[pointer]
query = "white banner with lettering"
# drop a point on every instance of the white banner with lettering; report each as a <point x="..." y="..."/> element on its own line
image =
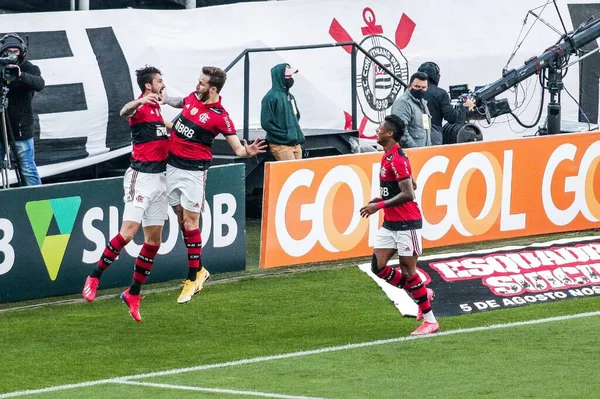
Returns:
<point x="88" y="60"/>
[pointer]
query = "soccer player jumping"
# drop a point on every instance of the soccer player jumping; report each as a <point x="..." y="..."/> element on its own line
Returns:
<point x="145" y="188"/>
<point x="402" y="223"/>
<point x="202" y="119"/>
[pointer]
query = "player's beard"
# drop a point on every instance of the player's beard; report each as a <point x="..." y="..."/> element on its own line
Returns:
<point x="203" y="97"/>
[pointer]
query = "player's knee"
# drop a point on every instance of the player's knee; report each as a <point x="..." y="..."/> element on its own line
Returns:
<point x="128" y="232"/>
<point x="153" y="239"/>
<point x="153" y="242"/>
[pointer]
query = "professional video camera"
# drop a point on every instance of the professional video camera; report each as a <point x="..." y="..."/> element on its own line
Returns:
<point x="8" y="74"/>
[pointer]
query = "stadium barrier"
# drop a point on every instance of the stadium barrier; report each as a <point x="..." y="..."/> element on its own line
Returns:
<point x="468" y="193"/>
<point x="52" y="236"/>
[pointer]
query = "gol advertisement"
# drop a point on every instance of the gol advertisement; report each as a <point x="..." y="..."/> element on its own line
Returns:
<point x="467" y="193"/>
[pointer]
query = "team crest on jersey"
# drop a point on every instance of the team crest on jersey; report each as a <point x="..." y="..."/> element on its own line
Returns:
<point x="204" y="117"/>
<point x="382" y="172"/>
<point x="194" y="111"/>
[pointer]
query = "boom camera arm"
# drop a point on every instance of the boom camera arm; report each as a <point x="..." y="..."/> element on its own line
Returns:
<point x="554" y="59"/>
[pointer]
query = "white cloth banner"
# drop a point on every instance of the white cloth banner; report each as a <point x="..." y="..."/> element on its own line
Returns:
<point x="88" y="59"/>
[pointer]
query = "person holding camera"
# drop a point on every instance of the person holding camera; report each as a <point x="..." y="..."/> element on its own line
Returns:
<point x="438" y="102"/>
<point x="23" y="79"/>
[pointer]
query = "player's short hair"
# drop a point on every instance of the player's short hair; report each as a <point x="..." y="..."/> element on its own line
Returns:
<point x="217" y="76"/>
<point x="396" y="125"/>
<point x="145" y="75"/>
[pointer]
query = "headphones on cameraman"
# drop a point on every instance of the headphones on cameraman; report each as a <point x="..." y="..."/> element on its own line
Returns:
<point x="19" y="39"/>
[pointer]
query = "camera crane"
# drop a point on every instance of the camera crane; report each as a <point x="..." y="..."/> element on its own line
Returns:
<point x="554" y="59"/>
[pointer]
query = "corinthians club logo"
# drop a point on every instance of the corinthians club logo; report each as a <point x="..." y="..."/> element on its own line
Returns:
<point x="377" y="90"/>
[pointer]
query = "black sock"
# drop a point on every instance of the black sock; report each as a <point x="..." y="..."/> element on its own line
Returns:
<point x="192" y="272"/>
<point x="135" y="288"/>
<point x="97" y="272"/>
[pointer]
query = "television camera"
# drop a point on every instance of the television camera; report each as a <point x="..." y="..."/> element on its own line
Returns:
<point x="7" y="73"/>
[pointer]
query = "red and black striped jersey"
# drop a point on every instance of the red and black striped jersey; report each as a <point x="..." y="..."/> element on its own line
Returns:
<point x="194" y="132"/>
<point x="149" y="138"/>
<point x="395" y="167"/>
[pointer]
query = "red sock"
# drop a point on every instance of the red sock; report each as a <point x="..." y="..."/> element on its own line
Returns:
<point x="143" y="265"/>
<point x="112" y="250"/>
<point x="416" y="287"/>
<point x="392" y="276"/>
<point x="144" y="262"/>
<point x="193" y="242"/>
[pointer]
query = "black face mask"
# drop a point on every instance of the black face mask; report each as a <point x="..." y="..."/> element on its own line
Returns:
<point x="289" y="82"/>
<point x="418" y="94"/>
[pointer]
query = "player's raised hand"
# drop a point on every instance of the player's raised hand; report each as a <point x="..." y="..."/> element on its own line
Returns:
<point x="258" y="146"/>
<point x="150" y="98"/>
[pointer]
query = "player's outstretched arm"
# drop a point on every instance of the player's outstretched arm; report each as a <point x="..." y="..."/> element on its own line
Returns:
<point x="175" y="102"/>
<point x="243" y="149"/>
<point x="129" y="109"/>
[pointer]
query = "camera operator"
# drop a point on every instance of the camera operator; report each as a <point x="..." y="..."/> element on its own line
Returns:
<point x="438" y="102"/>
<point x="23" y="79"/>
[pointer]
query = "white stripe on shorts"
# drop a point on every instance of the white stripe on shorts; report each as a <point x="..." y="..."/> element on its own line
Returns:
<point x="415" y="240"/>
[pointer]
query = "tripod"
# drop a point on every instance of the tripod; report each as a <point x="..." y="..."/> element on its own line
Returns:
<point x="8" y="143"/>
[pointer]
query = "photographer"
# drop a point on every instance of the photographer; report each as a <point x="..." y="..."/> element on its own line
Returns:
<point x="438" y="102"/>
<point x="23" y="79"/>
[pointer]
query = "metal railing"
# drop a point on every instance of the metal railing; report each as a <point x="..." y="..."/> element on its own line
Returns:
<point x="355" y="46"/>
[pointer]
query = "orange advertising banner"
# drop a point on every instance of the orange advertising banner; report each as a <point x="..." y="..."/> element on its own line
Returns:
<point x="467" y="193"/>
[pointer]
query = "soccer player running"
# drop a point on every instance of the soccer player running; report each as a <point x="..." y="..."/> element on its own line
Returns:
<point x="145" y="189"/>
<point x="203" y="118"/>
<point x="402" y="223"/>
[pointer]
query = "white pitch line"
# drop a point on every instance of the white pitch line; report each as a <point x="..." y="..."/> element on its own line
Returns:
<point x="297" y="354"/>
<point x="217" y="390"/>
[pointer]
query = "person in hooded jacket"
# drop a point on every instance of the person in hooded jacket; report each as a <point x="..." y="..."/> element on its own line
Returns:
<point x="26" y="81"/>
<point x="438" y="102"/>
<point x="279" y="116"/>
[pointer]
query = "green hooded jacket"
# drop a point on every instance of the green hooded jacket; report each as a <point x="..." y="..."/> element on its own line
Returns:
<point x="279" y="114"/>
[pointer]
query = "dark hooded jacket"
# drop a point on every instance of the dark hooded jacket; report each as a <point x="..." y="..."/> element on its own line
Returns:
<point x="279" y="114"/>
<point x="21" y="91"/>
<point x="438" y="100"/>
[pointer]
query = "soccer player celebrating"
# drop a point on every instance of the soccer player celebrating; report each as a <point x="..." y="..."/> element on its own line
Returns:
<point x="402" y="223"/>
<point x="202" y="119"/>
<point x="145" y="189"/>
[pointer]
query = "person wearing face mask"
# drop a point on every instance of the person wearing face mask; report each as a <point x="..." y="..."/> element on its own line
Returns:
<point x="411" y="107"/>
<point x="279" y="116"/>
